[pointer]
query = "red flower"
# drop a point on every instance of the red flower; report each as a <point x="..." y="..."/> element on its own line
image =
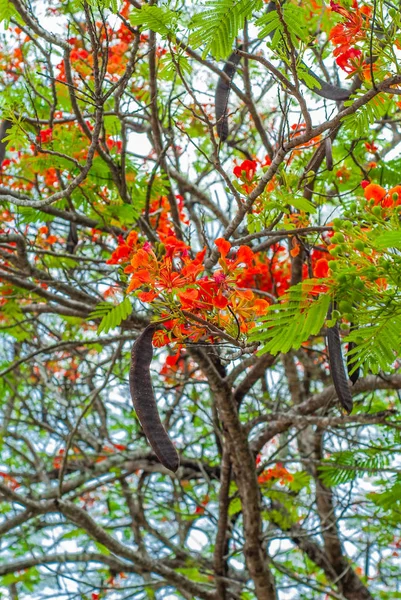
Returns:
<point x="246" y="170"/>
<point x="347" y="60"/>
<point x="124" y="249"/>
<point x="321" y="269"/>
<point x="46" y="135"/>
<point x="347" y="33"/>
<point x="371" y="147"/>
<point x="245" y="255"/>
<point x="223" y="245"/>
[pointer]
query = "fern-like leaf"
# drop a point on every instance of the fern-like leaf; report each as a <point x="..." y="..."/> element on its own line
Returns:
<point x="219" y="23"/>
<point x="346" y="466"/>
<point x="359" y="122"/>
<point x="157" y="18"/>
<point x="289" y="324"/>
<point x="7" y="11"/>
<point x="112" y="315"/>
<point x="294" y="18"/>
<point x="376" y="345"/>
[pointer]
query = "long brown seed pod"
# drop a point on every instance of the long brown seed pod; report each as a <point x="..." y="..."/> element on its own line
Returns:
<point x="329" y="153"/>
<point x="337" y="369"/>
<point x="144" y="400"/>
<point x="222" y="94"/>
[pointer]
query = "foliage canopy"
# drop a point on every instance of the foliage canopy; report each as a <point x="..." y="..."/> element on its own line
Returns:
<point x="122" y="207"/>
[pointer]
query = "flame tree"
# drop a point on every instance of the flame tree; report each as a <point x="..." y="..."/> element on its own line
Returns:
<point x="218" y="183"/>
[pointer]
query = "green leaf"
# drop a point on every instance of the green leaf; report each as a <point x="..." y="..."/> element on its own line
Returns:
<point x="343" y="467"/>
<point x="294" y="18"/>
<point x="303" y="204"/>
<point x="7" y="11"/>
<point x="389" y="239"/>
<point x="307" y="78"/>
<point x="160" y="19"/>
<point x="390" y="499"/>
<point x="367" y="114"/>
<point x="16" y="137"/>
<point x="110" y="4"/>
<point x="377" y="344"/>
<point x="218" y="25"/>
<point x="112" y="316"/>
<point x="33" y="215"/>
<point x="102" y="549"/>
<point x="235" y="506"/>
<point x="289" y="324"/>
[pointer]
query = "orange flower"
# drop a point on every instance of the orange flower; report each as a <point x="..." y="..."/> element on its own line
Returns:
<point x="224" y="246"/>
<point x="245" y="255"/>
<point x="147" y="296"/>
<point x="381" y="283"/>
<point x="321" y="269"/>
<point x="374" y="191"/>
<point x="395" y="194"/>
<point x="277" y="472"/>
<point x="260" y="306"/>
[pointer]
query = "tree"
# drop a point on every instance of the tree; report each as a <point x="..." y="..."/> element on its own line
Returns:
<point x="218" y="182"/>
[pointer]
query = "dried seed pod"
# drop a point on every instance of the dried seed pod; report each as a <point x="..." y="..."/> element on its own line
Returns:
<point x="144" y="400"/>
<point x="350" y="363"/>
<point x="222" y="94"/>
<point x="337" y="369"/>
<point x="329" y="154"/>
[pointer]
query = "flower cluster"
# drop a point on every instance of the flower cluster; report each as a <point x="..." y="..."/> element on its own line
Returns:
<point x="279" y="472"/>
<point x="345" y="34"/>
<point x="168" y="276"/>
<point x="380" y="196"/>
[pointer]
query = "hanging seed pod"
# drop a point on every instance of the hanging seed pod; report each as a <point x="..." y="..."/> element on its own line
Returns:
<point x="329" y="154"/>
<point x="222" y="94"/>
<point x="144" y="400"/>
<point x="337" y="369"/>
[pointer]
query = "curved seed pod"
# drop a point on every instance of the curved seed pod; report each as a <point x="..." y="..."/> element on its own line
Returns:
<point x="350" y="363"/>
<point x="144" y="400"/>
<point x="329" y="154"/>
<point x="337" y="369"/>
<point x="222" y="94"/>
<point x="326" y="90"/>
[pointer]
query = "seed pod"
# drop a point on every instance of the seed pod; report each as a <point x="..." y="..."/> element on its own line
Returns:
<point x="144" y="400"/>
<point x="222" y="94"/>
<point x="337" y="369"/>
<point x="72" y="239"/>
<point x="329" y="154"/>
